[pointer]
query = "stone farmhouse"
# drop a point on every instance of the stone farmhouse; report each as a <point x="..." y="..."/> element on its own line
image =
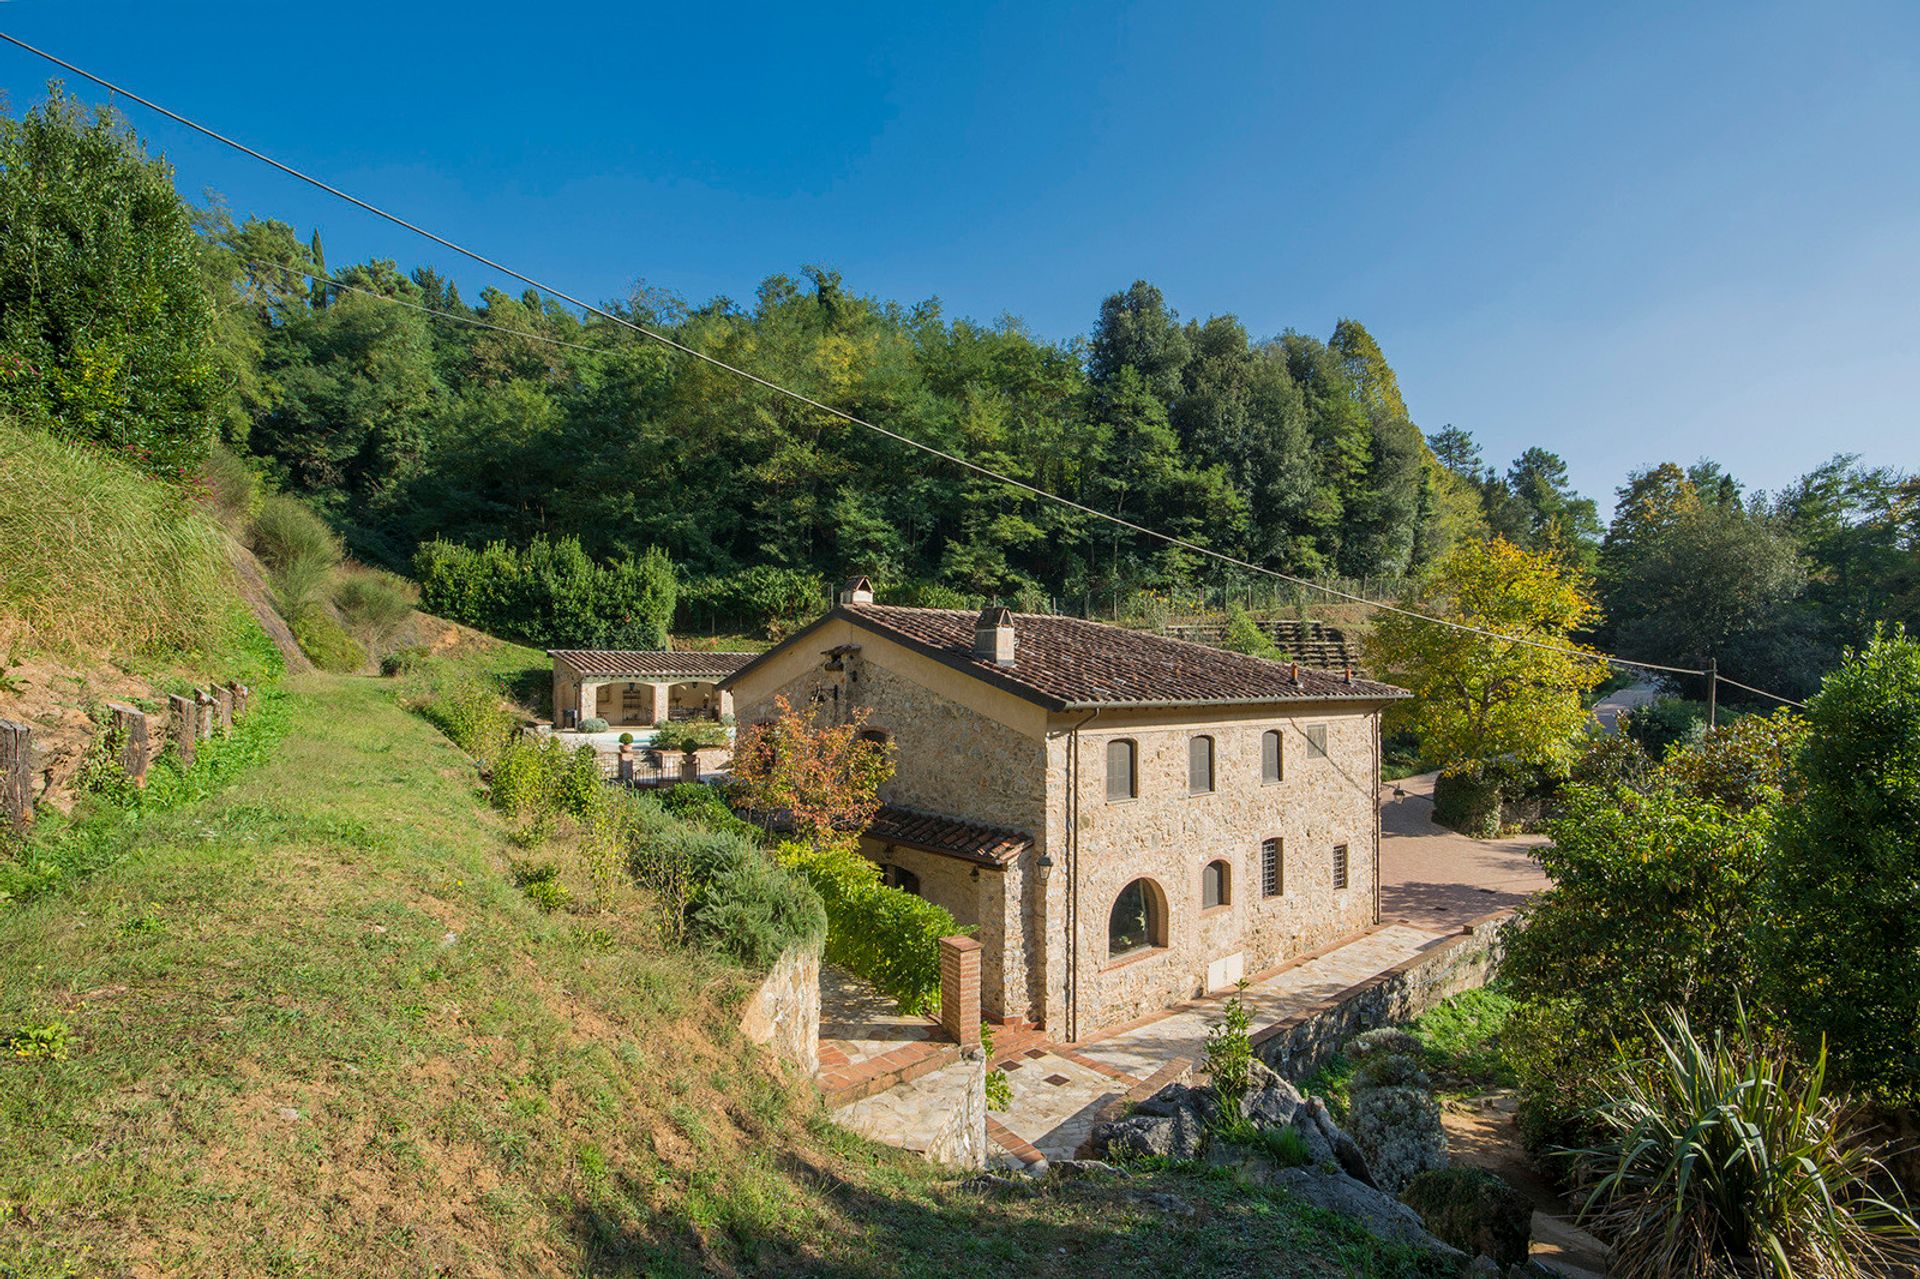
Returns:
<point x="1127" y="819"/>
<point x="635" y="687"/>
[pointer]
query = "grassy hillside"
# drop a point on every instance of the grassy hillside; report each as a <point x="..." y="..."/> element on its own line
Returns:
<point x="308" y="1026"/>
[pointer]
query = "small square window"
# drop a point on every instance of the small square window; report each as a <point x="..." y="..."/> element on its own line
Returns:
<point x="1316" y="735"/>
<point x="1339" y="865"/>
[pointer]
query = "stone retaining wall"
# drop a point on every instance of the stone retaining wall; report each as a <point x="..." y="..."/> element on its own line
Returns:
<point x="784" y="1014"/>
<point x="1302" y="1043"/>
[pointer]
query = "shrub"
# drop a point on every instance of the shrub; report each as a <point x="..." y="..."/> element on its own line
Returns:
<point x="1666" y="722"/>
<point x="1843" y="958"/>
<point x="1382" y="1040"/>
<point x="403" y="661"/>
<point x="593" y="724"/>
<point x="548" y="894"/>
<point x="1721" y="1158"/>
<point x="1475" y="1211"/>
<point x="1244" y="635"/>
<point x="1398" y="1130"/>
<point x="1229" y="1055"/>
<point x="550" y="593"/>
<point x="746" y="906"/>
<point x="887" y="937"/>
<point x="1468" y="803"/>
<point x="626" y="739"/>
<point x="469" y="711"/>
<point x="325" y="641"/>
<point x="285" y="531"/>
<point x="373" y="604"/>
<point x="690" y="735"/>
<point x="1390" y="1070"/>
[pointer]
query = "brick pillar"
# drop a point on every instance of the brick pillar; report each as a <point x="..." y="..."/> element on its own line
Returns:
<point x="130" y="726"/>
<point x="690" y="766"/>
<point x="960" y="989"/>
<point x="223" y="710"/>
<point x="183" y="722"/>
<point x="626" y="764"/>
<point x="662" y="703"/>
<point x="16" y="775"/>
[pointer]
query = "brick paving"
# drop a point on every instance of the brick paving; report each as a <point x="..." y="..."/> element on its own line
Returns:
<point x="1434" y="877"/>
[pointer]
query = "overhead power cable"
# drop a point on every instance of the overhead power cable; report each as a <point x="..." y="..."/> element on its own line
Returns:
<point x="801" y="397"/>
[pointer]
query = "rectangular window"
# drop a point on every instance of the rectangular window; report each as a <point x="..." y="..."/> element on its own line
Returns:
<point x="1316" y="735"/>
<point x="1272" y="872"/>
<point x="1200" y="766"/>
<point x="1339" y="865"/>
<point x="1122" y="778"/>
<point x="1272" y="762"/>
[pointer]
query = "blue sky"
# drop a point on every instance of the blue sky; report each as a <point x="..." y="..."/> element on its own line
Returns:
<point x="1626" y="233"/>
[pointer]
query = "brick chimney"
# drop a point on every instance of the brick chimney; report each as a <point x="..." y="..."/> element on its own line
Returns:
<point x="993" y="636"/>
<point x="856" y="590"/>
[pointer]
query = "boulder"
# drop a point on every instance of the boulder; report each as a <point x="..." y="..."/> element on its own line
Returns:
<point x="1474" y="1210"/>
<point x="1381" y="1214"/>
<point x="1346" y="1153"/>
<point x="1179" y="1136"/>
<point x="1270" y="1101"/>
<point x="1201" y="1102"/>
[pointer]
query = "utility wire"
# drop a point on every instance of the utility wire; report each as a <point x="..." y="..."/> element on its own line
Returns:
<point x="801" y="397"/>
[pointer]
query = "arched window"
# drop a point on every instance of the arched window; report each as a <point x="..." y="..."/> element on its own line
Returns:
<point x="1123" y="777"/>
<point x="1200" y="766"/>
<point x="1216" y="884"/>
<point x="1272" y="763"/>
<point x="901" y="878"/>
<point x="1138" y="921"/>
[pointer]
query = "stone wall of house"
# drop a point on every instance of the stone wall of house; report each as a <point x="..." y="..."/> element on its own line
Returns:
<point x="954" y="760"/>
<point x="1168" y="836"/>
<point x="1302" y="1044"/>
<point x="783" y="1014"/>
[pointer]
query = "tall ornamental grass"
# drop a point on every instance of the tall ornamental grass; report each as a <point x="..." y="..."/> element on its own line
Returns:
<point x="97" y="558"/>
<point x="1725" y="1158"/>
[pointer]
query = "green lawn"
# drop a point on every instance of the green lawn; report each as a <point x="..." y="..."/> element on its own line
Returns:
<point x="315" y="1030"/>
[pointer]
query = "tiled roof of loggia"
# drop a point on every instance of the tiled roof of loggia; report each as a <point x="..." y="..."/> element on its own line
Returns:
<point x="650" y="661"/>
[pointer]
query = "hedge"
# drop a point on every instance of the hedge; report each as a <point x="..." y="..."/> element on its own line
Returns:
<point x="550" y="594"/>
<point x="885" y="936"/>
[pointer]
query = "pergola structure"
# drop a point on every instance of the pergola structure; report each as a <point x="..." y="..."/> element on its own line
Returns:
<point x="639" y="687"/>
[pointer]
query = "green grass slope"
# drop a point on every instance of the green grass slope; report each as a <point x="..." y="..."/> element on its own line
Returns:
<point x="311" y="1028"/>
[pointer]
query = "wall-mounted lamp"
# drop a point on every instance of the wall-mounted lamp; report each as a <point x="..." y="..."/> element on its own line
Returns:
<point x="1045" y="862"/>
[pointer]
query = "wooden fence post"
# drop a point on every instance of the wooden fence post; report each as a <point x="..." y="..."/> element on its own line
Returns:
<point x="183" y="722"/>
<point x="203" y="707"/>
<point x="130" y="726"/>
<point x="223" y="710"/>
<point x="16" y="775"/>
<point x="241" y="696"/>
<point x="960" y="989"/>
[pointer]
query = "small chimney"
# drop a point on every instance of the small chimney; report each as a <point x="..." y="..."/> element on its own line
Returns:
<point x="993" y="636"/>
<point x="1349" y="674"/>
<point x="857" y="590"/>
<point x="1296" y="675"/>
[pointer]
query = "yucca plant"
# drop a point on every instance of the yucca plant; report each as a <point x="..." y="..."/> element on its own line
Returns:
<point x="1726" y="1158"/>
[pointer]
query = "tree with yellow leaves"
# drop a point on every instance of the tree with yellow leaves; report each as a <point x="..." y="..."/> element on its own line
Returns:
<point x="1478" y="699"/>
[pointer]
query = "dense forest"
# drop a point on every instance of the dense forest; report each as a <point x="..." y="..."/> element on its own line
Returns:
<point x="407" y="413"/>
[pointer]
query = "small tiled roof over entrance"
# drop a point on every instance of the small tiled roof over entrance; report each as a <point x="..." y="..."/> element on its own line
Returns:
<point x="1067" y="663"/>
<point x="930" y="832"/>
<point x="647" y="662"/>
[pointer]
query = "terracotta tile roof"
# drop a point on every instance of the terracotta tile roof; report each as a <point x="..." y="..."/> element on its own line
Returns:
<point x="1067" y="663"/>
<point x="650" y="661"/>
<point x="985" y="845"/>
